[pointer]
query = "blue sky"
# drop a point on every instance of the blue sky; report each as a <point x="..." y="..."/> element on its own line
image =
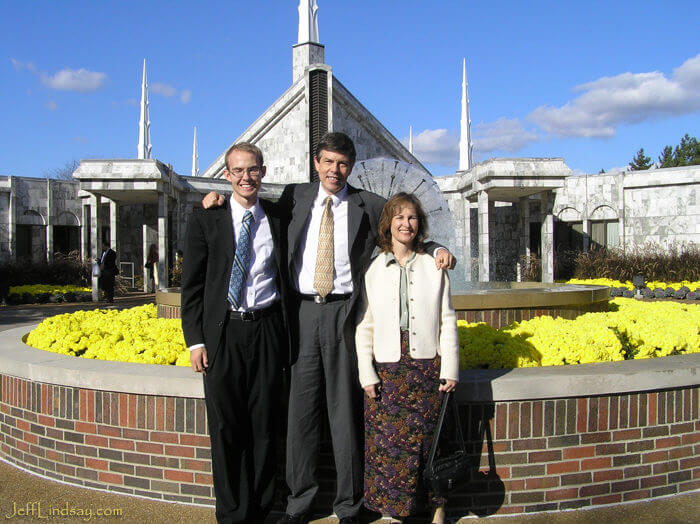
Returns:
<point x="591" y="82"/>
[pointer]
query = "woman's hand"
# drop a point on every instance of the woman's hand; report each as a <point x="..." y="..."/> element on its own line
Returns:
<point x="447" y="385"/>
<point x="371" y="390"/>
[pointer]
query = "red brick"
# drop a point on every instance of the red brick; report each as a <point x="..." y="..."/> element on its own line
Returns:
<point x="652" y="411"/>
<point x="627" y="434"/>
<point x="22" y="424"/>
<point x="135" y="434"/>
<point x="96" y="463"/>
<point x="117" y="443"/>
<point x="667" y="442"/>
<point x="603" y="411"/>
<point x="692" y="462"/>
<point x="149" y="447"/>
<point x="201" y="478"/>
<point x="594" y="438"/>
<point x="160" y="413"/>
<point x="204" y="442"/>
<point x="160" y="436"/>
<point x="652" y="482"/>
<point x="607" y="499"/>
<point x="608" y="474"/>
<point x="203" y="465"/>
<point x="561" y="494"/>
<point x="53" y="455"/>
<point x="594" y="489"/>
<point x="680" y="452"/>
<point x="544" y="456"/>
<point x="179" y="451"/>
<point x="112" y="478"/>
<point x="85" y="427"/>
<point x="637" y="494"/>
<point x="579" y="452"/>
<point x="46" y="420"/>
<point x="132" y="411"/>
<point x="654" y="456"/>
<point x="610" y="449"/>
<point x="681" y="428"/>
<point x="582" y="415"/>
<point x="542" y="482"/>
<point x="691" y="438"/>
<point x="109" y="431"/>
<point x="83" y="404"/>
<point x="563" y="467"/>
<point x="30" y="437"/>
<point x="91" y="406"/>
<point x="94" y="440"/>
<point x="123" y="409"/>
<point x="665" y="467"/>
<point x="689" y="486"/>
<point x="180" y="476"/>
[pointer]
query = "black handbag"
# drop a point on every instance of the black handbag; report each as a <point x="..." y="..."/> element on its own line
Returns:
<point x="445" y="474"/>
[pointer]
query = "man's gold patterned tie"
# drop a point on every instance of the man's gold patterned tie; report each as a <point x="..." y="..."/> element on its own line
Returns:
<point x="323" y="278"/>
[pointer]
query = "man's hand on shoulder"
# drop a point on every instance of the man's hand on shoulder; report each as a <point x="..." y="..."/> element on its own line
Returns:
<point x="444" y="259"/>
<point x="213" y="199"/>
<point x="199" y="361"/>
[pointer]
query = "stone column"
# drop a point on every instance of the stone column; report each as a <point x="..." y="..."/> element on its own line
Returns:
<point x="547" y="236"/>
<point x="85" y="231"/>
<point x="12" y="220"/>
<point x="95" y="239"/>
<point x="484" y="237"/>
<point x="163" y="241"/>
<point x="524" y="247"/>
<point x="114" y="227"/>
<point x="49" y="221"/>
<point x="586" y="225"/>
<point x="467" y="240"/>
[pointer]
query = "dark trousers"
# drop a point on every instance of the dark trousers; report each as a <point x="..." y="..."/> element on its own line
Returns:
<point x="106" y="282"/>
<point x="324" y="365"/>
<point x="242" y="391"/>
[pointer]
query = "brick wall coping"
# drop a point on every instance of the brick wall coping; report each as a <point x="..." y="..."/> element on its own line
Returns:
<point x="19" y="360"/>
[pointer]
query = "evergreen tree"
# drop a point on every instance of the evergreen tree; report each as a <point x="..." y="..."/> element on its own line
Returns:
<point x="687" y="153"/>
<point x="601" y="171"/>
<point x="667" y="159"/>
<point x="640" y="162"/>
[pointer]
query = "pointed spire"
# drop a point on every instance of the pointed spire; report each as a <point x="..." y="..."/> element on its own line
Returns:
<point x="308" y="22"/>
<point x="465" y="139"/>
<point x="195" y="155"/>
<point x="144" y="147"/>
<point x="410" y="139"/>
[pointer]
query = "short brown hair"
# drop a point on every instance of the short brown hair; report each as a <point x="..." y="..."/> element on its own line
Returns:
<point x="337" y="143"/>
<point x="248" y="148"/>
<point x="391" y="209"/>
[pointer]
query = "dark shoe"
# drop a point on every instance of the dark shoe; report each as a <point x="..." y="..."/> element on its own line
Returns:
<point x="294" y="519"/>
<point x="349" y="520"/>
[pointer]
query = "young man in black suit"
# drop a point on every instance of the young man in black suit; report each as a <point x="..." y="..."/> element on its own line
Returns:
<point x="234" y="325"/>
<point x="108" y="271"/>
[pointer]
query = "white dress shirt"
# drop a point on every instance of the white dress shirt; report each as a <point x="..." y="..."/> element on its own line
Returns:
<point x="260" y="286"/>
<point x="305" y="261"/>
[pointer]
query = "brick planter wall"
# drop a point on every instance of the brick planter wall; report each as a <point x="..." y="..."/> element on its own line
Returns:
<point x="147" y="445"/>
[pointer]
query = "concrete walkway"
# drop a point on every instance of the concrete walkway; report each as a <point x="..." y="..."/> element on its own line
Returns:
<point x="25" y="497"/>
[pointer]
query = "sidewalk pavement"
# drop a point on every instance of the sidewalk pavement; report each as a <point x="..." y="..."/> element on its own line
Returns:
<point x="25" y="497"/>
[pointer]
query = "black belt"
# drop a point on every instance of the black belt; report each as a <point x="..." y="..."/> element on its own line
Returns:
<point x="318" y="299"/>
<point x="255" y="314"/>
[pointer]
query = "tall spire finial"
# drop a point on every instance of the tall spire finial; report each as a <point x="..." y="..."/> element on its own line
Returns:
<point x="144" y="147"/>
<point x="465" y="138"/>
<point x="308" y="22"/>
<point x="195" y="155"/>
<point x="410" y="139"/>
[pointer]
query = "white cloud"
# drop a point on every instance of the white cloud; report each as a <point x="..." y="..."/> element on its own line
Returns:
<point x="75" y="80"/>
<point x="628" y="98"/>
<point x="186" y="96"/>
<point x="504" y="135"/>
<point x="51" y="105"/>
<point x="18" y="65"/>
<point x="163" y="89"/>
<point x="436" y="146"/>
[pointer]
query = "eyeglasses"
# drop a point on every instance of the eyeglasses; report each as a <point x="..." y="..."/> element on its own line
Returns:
<point x="253" y="171"/>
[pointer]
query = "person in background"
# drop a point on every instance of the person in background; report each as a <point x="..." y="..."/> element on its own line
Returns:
<point x="152" y="268"/>
<point x="407" y="353"/>
<point x="108" y="271"/>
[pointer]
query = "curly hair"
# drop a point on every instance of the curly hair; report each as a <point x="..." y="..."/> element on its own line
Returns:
<point x="391" y="209"/>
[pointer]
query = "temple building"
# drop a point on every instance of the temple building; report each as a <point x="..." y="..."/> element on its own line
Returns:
<point x="494" y="215"/>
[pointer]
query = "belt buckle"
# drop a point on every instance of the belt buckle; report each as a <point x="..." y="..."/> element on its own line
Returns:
<point x="318" y="299"/>
<point x="247" y="316"/>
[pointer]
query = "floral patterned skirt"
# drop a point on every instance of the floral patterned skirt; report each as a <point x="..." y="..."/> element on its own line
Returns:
<point x="399" y="428"/>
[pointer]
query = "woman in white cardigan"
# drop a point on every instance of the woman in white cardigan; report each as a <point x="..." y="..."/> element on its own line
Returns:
<point x="407" y="353"/>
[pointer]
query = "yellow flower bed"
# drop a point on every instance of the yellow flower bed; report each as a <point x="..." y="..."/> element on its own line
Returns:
<point x="651" y="285"/>
<point x="130" y="335"/>
<point x="52" y="289"/>
<point x="631" y="330"/>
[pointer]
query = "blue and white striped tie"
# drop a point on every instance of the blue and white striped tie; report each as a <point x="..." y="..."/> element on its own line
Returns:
<point x="239" y="270"/>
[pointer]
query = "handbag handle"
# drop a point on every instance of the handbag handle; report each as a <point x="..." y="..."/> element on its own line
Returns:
<point x="441" y="419"/>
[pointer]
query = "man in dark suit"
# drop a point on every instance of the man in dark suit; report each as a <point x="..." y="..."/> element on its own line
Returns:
<point x="234" y="325"/>
<point x="108" y="271"/>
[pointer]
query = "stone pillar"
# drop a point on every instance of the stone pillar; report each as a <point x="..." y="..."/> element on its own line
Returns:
<point x="467" y="240"/>
<point x="163" y="269"/>
<point x="95" y="239"/>
<point x="12" y="220"/>
<point x="49" y="221"/>
<point x="547" y="236"/>
<point x="524" y="247"/>
<point x="85" y="231"/>
<point x="114" y="227"/>
<point x="484" y="237"/>
<point x="586" y="225"/>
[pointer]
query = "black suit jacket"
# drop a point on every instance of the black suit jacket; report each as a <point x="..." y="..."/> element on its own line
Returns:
<point x="109" y="261"/>
<point x="364" y="210"/>
<point x="206" y="272"/>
